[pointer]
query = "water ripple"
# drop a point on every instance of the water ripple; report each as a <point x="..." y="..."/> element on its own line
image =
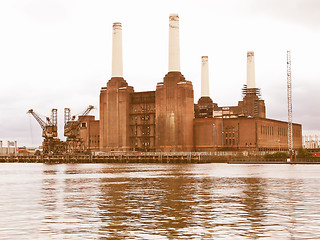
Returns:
<point x="149" y="201"/>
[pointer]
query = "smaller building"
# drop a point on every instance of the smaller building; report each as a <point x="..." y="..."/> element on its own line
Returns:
<point x="11" y="148"/>
<point x="311" y="142"/>
<point x="244" y="133"/>
<point x="89" y="132"/>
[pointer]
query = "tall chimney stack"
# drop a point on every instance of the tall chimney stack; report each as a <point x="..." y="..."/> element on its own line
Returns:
<point x="204" y="77"/>
<point x="251" y="83"/>
<point x="117" y="70"/>
<point x="174" y="43"/>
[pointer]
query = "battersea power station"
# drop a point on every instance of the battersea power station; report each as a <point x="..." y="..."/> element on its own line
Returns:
<point x="169" y="120"/>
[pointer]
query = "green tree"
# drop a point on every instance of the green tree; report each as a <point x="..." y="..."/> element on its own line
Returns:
<point x="303" y="153"/>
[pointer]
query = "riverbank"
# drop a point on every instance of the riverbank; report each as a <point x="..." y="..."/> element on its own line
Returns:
<point x="274" y="161"/>
<point x="119" y="158"/>
<point x="152" y="158"/>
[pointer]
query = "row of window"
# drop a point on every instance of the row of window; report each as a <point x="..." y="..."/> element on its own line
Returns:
<point x="229" y="134"/>
<point x="230" y="141"/>
<point x="268" y="130"/>
<point x="282" y="132"/>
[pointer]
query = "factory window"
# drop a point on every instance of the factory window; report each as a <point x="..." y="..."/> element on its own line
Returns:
<point x="233" y="141"/>
<point x="84" y="124"/>
<point x="229" y="141"/>
<point x="226" y="141"/>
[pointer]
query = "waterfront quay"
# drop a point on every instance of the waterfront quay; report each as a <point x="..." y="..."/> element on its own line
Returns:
<point x="153" y="157"/>
<point x="273" y="161"/>
<point x="143" y="157"/>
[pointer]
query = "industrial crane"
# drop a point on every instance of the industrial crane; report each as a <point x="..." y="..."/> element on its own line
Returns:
<point x="289" y="94"/>
<point x="74" y="143"/>
<point x="51" y="143"/>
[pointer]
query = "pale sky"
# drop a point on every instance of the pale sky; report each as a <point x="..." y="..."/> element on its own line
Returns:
<point x="57" y="54"/>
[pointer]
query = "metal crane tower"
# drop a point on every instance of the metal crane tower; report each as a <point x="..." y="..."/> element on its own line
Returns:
<point x="74" y="143"/>
<point x="51" y="143"/>
<point x="289" y="93"/>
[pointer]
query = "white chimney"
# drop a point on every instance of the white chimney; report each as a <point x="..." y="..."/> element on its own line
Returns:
<point x="117" y="70"/>
<point x="204" y="77"/>
<point x="174" y="43"/>
<point x="251" y="83"/>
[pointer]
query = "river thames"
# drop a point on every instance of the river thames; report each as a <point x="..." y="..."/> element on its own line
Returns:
<point x="159" y="201"/>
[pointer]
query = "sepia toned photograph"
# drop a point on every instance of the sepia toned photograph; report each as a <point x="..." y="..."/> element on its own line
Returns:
<point x="177" y="119"/>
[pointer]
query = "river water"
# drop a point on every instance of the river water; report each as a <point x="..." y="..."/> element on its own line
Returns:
<point x="159" y="201"/>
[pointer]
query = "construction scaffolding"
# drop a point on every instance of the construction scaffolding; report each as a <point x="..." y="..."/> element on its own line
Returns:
<point x="142" y="122"/>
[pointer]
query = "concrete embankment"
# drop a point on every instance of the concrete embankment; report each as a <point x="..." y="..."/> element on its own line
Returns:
<point x="119" y="158"/>
<point x="274" y="161"/>
<point x="153" y="158"/>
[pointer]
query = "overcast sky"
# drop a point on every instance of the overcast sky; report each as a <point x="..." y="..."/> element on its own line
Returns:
<point x="57" y="54"/>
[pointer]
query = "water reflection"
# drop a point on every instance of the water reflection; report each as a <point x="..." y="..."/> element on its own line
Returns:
<point x="137" y="201"/>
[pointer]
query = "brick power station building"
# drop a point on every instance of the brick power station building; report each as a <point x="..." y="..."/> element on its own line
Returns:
<point x="167" y="119"/>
